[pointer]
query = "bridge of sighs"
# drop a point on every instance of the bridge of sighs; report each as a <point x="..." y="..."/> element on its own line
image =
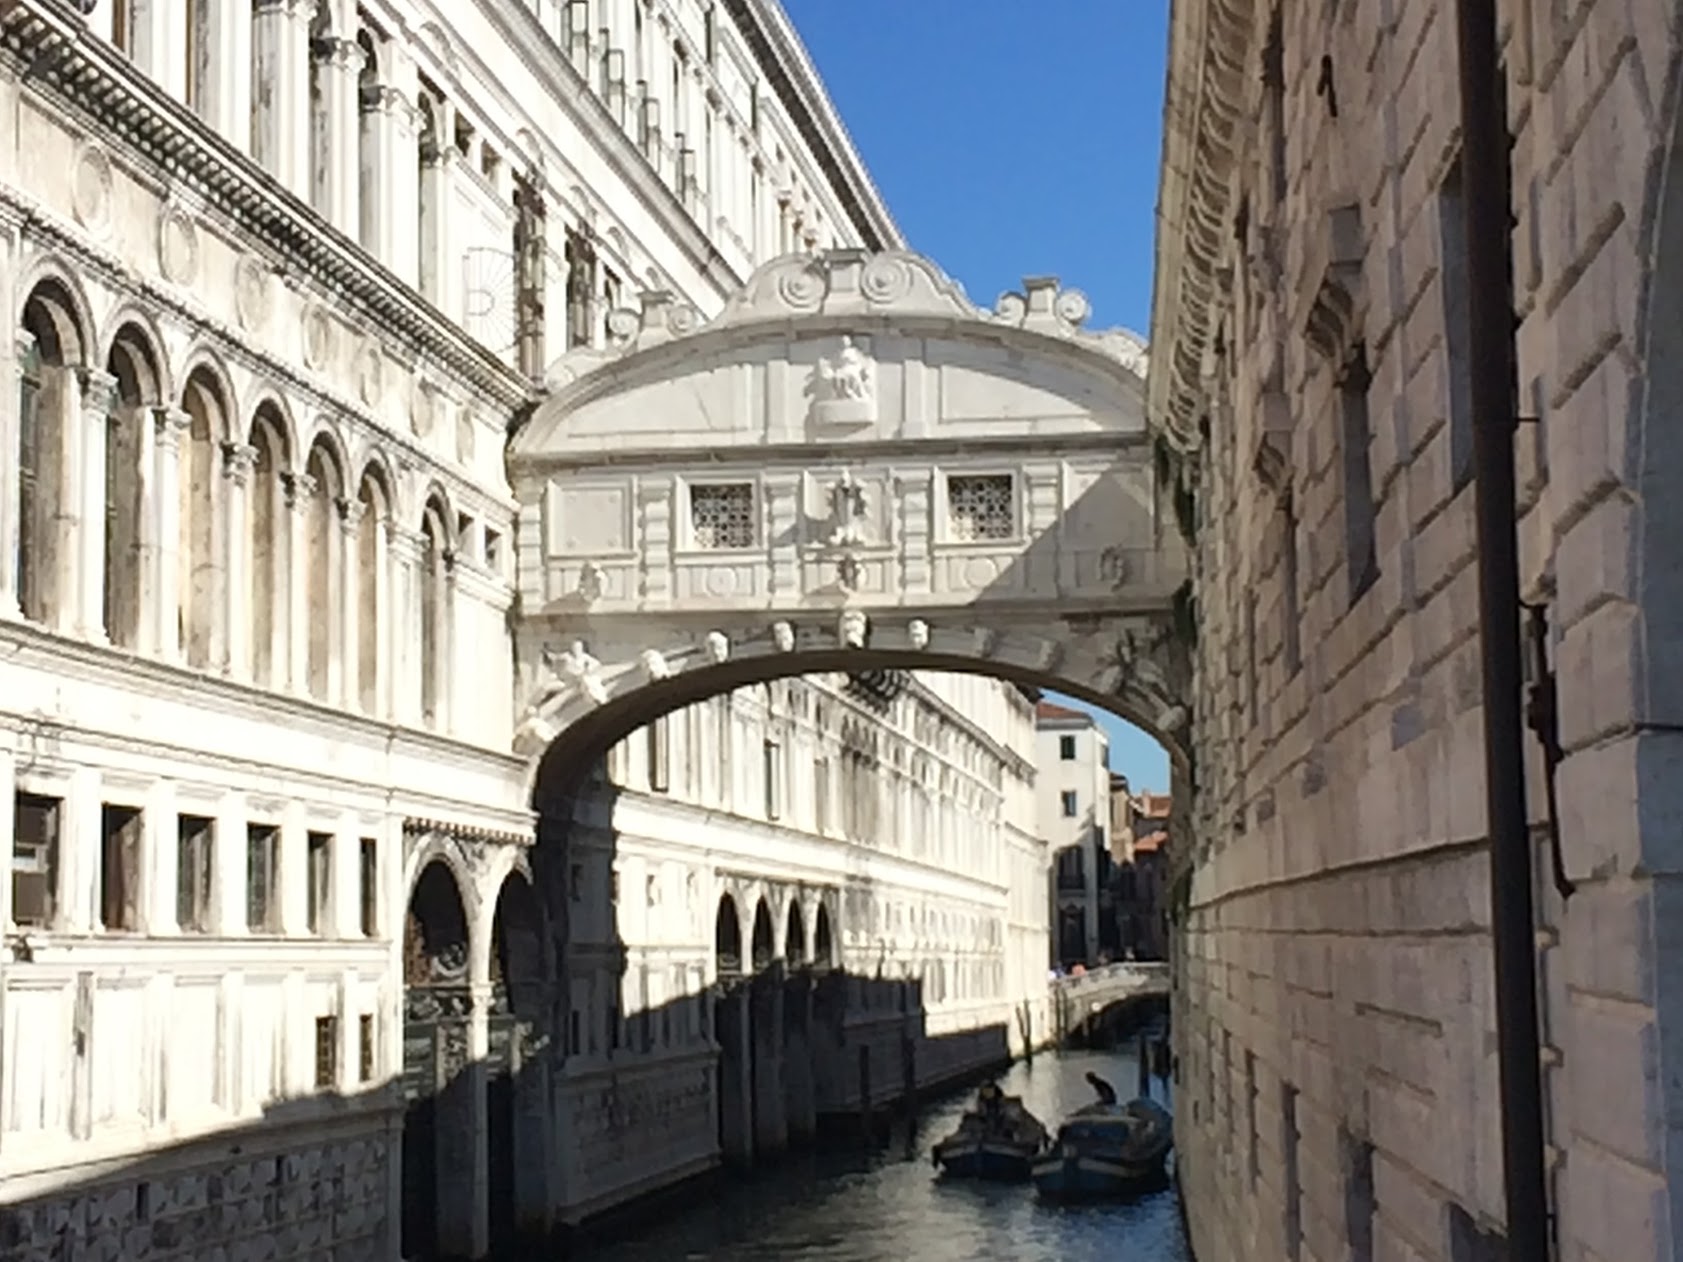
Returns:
<point x="852" y="468"/>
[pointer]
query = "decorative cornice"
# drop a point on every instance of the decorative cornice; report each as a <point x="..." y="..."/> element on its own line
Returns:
<point x="417" y="826"/>
<point x="1209" y="47"/>
<point x="774" y="43"/>
<point x="236" y="346"/>
<point x="57" y="54"/>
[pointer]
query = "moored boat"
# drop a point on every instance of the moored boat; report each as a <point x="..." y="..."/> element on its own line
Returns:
<point x="1106" y="1150"/>
<point x="996" y="1140"/>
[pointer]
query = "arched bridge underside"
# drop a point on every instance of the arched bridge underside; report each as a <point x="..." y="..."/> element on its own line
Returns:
<point x="851" y="469"/>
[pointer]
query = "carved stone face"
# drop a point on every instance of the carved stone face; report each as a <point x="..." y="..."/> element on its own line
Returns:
<point x="783" y="635"/>
<point x="718" y="646"/>
<point x="918" y="633"/>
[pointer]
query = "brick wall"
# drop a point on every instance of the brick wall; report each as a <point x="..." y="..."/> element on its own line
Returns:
<point x="1336" y="1027"/>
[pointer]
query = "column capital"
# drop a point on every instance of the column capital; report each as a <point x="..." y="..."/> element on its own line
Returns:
<point x="379" y="98"/>
<point x="350" y="514"/>
<point x="99" y="389"/>
<point x="23" y="343"/>
<point x="238" y="460"/>
<point x="170" y="423"/>
<point x="300" y="490"/>
<point x="407" y="544"/>
<point x="337" y="52"/>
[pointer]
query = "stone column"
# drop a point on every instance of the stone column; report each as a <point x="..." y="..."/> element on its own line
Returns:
<point x="300" y="489"/>
<point x="238" y="460"/>
<point x="402" y="187"/>
<point x="771" y="1124"/>
<point x="338" y="64"/>
<point x="386" y="157"/>
<point x="732" y="1028"/>
<point x="280" y="138"/>
<point x="350" y="573"/>
<point x="99" y="390"/>
<point x="225" y="86"/>
<point x="799" y="1088"/>
<point x="169" y="425"/>
<point x="439" y="267"/>
<point x="147" y="540"/>
<point x="157" y="43"/>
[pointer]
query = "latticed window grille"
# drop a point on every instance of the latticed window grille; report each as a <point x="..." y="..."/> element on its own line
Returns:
<point x="722" y="516"/>
<point x="980" y="507"/>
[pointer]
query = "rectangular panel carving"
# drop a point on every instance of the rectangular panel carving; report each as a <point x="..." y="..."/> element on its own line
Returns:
<point x="120" y="1065"/>
<point x="262" y="1041"/>
<point x="590" y="520"/>
<point x="715" y="581"/>
<point x="190" y="1069"/>
<point x="38" y="1083"/>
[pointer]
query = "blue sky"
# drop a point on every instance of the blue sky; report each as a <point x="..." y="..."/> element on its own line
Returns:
<point x="1012" y="139"/>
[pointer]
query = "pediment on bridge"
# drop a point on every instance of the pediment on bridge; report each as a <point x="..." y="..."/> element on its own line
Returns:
<point x="835" y="348"/>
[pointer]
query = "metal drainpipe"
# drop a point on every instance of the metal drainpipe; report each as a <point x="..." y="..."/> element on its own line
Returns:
<point x="1485" y="164"/>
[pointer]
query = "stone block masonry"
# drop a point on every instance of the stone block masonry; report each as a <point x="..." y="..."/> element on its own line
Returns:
<point x="322" y="1196"/>
<point x="1334" y="988"/>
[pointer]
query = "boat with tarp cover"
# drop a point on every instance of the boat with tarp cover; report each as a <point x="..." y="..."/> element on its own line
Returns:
<point x="1106" y="1149"/>
<point x="995" y="1140"/>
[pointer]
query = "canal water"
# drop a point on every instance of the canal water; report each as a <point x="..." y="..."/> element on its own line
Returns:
<point x="889" y="1206"/>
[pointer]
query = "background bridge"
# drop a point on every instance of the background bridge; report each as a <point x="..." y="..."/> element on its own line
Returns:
<point x="1082" y="1001"/>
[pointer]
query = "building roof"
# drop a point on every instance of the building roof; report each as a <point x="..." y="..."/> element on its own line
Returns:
<point x="1153" y="805"/>
<point x="1151" y="843"/>
<point x="1051" y="712"/>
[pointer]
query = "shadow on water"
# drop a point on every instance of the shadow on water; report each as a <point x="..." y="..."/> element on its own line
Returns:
<point x="888" y="1204"/>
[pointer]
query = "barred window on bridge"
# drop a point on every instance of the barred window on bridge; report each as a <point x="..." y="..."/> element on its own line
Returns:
<point x="722" y="515"/>
<point x="981" y="507"/>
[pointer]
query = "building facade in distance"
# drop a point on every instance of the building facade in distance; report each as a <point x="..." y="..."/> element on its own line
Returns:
<point x="1338" y="1090"/>
<point x="281" y="277"/>
<point x="1074" y="793"/>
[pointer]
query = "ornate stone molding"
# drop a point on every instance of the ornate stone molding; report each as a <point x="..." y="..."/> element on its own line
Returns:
<point x="351" y="512"/>
<point x="99" y="390"/>
<point x="843" y="286"/>
<point x="300" y="490"/>
<point x="93" y="77"/>
<point x="238" y="461"/>
<point x="1209" y="50"/>
<point x="169" y="425"/>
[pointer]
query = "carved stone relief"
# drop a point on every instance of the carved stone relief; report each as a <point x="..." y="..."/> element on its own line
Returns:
<point x="90" y="188"/>
<point x="178" y="246"/>
<point x="253" y="294"/>
<point x="318" y="336"/>
<point x="844" y="388"/>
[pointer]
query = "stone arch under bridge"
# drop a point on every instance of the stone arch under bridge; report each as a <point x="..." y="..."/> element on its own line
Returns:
<point x="852" y="468"/>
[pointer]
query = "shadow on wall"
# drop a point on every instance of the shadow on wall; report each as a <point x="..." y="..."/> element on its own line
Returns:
<point x="554" y="1075"/>
<point x="513" y="1125"/>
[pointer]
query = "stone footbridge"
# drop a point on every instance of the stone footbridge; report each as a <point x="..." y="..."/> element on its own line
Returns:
<point x="1076" y="1001"/>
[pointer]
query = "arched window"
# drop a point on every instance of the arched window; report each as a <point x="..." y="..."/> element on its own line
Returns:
<point x="321" y="564"/>
<point x="197" y="556"/>
<point x="435" y="544"/>
<point x="134" y="365"/>
<point x="268" y="557"/>
<point x="49" y="398"/>
<point x="727" y="938"/>
<point x="370" y="563"/>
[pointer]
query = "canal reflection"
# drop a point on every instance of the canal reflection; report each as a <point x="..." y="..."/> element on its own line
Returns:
<point x="889" y="1206"/>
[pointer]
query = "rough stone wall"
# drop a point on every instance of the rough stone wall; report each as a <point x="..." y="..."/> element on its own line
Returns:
<point x="1338" y="1091"/>
<point x="322" y="1197"/>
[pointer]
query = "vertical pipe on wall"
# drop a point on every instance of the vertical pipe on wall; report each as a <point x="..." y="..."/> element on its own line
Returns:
<point x="1485" y="162"/>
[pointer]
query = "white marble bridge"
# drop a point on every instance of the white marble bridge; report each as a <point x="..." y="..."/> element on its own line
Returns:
<point x="851" y="468"/>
